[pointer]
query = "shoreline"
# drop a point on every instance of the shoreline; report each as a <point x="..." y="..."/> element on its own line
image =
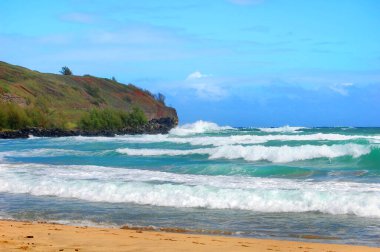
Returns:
<point x="154" y="126"/>
<point x="40" y="236"/>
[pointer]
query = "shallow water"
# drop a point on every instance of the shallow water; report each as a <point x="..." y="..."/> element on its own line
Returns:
<point x="283" y="182"/>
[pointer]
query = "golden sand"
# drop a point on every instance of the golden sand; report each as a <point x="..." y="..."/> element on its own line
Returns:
<point x="26" y="236"/>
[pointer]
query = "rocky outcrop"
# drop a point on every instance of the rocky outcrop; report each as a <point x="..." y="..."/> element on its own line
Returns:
<point x="154" y="126"/>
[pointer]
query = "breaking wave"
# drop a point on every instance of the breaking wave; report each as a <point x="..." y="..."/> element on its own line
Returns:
<point x="198" y="128"/>
<point x="284" y="129"/>
<point x="222" y="140"/>
<point x="275" y="154"/>
<point x="107" y="184"/>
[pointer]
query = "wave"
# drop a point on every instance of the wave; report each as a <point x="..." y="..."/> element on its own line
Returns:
<point x="162" y="152"/>
<point x="222" y="140"/>
<point x="281" y="154"/>
<point x="106" y="184"/>
<point x="198" y="128"/>
<point x="44" y="152"/>
<point x="284" y="129"/>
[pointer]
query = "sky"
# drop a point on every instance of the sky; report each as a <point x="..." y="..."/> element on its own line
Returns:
<point x="233" y="62"/>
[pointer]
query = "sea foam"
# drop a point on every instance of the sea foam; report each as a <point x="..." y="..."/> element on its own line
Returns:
<point x="280" y="154"/>
<point x="221" y="140"/>
<point x="43" y="152"/>
<point x="106" y="184"/>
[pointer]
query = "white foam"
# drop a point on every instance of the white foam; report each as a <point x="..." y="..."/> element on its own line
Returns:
<point x="286" y="154"/>
<point x="161" y="152"/>
<point x="280" y="154"/>
<point x="43" y="152"/>
<point x="284" y="129"/>
<point x="106" y="184"/>
<point x="197" y="128"/>
<point x="220" y="140"/>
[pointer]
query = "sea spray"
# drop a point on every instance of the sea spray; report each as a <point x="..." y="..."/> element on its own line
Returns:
<point x="197" y="128"/>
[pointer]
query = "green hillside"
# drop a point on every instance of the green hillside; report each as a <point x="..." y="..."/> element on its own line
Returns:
<point x="68" y="97"/>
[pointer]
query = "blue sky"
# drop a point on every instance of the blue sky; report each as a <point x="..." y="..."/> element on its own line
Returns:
<point x="234" y="62"/>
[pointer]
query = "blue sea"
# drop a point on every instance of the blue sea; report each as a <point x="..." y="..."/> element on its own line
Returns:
<point x="294" y="183"/>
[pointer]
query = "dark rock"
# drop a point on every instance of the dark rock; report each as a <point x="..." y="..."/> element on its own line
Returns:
<point x="154" y="126"/>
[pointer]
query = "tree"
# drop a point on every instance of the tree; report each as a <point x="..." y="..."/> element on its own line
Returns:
<point x="66" y="71"/>
<point x="160" y="97"/>
<point x="113" y="79"/>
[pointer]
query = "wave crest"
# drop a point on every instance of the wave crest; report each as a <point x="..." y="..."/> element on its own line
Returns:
<point x="106" y="184"/>
<point x="275" y="154"/>
<point x="223" y="140"/>
<point x="284" y="129"/>
<point x="198" y="127"/>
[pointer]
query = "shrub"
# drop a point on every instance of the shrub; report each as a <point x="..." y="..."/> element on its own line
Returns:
<point x="4" y="88"/>
<point x="16" y="117"/>
<point x="37" y="117"/>
<point x="101" y="119"/>
<point x="70" y="126"/>
<point x="112" y="119"/>
<point x="54" y="119"/>
<point x="66" y="71"/>
<point x="42" y="104"/>
<point x="136" y="118"/>
<point x="93" y="91"/>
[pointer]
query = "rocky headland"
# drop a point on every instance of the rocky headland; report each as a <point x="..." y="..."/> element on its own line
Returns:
<point x="154" y="126"/>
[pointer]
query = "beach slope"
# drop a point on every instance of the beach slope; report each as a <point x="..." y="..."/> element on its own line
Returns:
<point x="26" y="236"/>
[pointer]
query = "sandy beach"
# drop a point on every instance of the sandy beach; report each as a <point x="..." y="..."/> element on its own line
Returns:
<point x="27" y="236"/>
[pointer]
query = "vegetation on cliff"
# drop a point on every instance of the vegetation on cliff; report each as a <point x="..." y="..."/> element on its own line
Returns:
<point x="111" y="119"/>
<point x="14" y="117"/>
<point x="33" y="99"/>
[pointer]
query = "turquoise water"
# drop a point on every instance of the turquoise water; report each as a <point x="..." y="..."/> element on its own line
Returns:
<point x="257" y="182"/>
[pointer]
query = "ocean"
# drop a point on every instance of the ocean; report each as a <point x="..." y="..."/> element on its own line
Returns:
<point x="294" y="183"/>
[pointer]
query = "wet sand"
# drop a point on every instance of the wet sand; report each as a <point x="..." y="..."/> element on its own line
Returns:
<point x="27" y="236"/>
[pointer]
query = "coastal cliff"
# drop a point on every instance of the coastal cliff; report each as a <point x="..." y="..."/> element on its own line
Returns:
<point x="66" y="99"/>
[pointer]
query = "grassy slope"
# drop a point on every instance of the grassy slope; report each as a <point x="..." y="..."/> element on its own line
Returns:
<point x="70" y="96"/>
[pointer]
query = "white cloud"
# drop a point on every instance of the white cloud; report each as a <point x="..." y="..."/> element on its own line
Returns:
<point x="196" y="75"/>
<point x="342" y="88"/>
<point x="348" y="84"/>
<point x="205" y="86"/>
